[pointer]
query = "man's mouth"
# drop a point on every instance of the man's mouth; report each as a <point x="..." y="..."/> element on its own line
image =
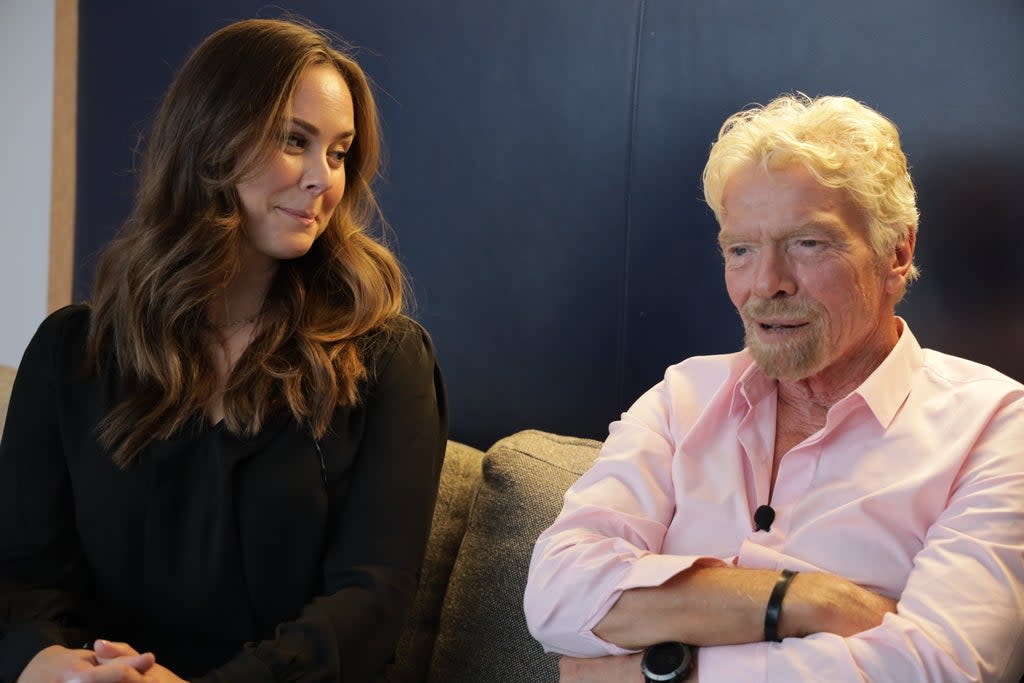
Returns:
<point x="781" y="326"/>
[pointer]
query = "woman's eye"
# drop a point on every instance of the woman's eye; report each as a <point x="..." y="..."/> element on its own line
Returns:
<point x="338" y="155"/>
<point x="297" y="141"/>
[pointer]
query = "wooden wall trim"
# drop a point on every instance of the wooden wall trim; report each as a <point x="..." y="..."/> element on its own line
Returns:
<point x="64" y="159"/>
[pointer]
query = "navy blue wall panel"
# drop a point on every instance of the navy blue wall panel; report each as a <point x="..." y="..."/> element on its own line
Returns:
<point x="544" y="159"/>
<point x="507" y="125"/>
<point x="507" y="128"/>
<point x="947" y="73"/>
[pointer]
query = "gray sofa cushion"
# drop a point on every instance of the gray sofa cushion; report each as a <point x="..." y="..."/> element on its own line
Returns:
<point x="483" y="635"/>
<point x="460" y="478"/>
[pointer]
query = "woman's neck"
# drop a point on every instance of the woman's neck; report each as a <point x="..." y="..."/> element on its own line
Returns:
<point x="241" y="301"/>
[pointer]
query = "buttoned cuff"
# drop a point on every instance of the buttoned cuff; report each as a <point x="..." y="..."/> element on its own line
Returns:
<point x="748" y="663"/>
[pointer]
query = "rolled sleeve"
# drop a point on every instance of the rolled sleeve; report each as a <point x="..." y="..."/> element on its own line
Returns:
<point x="609" y="535"/>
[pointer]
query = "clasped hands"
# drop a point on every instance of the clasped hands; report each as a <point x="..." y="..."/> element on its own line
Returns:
<point x="108" y="662"/>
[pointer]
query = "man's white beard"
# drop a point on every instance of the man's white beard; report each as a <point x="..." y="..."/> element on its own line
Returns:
<point x="796" y="358"/>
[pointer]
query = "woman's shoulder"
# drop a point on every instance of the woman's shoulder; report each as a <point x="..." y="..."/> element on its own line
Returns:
<point x="61" y="336"/>
<point x="399" y="337"/>
<point x="72" y="315"/>
<point x="66" y="324"/>
<point x="401" y="327"/>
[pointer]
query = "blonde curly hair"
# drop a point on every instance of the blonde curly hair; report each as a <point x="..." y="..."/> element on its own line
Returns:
<point x="841" y="142"/>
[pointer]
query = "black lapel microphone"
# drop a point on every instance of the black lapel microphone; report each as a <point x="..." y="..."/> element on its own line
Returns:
<point x="763" y="518"/>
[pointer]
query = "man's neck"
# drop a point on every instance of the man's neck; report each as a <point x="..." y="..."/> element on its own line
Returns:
<point x="814" y="395"/>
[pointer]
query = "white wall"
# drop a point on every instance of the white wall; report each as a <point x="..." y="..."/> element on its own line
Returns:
<point x="26" y="129"/>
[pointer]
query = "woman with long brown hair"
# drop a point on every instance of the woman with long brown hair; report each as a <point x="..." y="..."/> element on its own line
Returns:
<point x="228" y="461"/>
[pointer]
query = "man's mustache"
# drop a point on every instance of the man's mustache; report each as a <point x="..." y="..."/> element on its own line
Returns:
<point x="768" y="308"/>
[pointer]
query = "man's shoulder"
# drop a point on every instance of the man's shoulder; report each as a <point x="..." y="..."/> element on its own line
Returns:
<point x="720" y="364"/>
<point x="956" y="371"/>
<point x="708" y="374"/>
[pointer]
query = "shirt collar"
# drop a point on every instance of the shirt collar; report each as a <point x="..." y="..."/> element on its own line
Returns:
<point x="884" y="391"/>
<point x="751" y="387"/>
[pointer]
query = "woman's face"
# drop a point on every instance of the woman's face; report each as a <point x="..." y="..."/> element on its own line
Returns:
<point x="287" y="203"/>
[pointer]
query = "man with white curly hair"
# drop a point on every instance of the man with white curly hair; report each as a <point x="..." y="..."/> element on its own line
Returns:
<point x="831" y="503"/>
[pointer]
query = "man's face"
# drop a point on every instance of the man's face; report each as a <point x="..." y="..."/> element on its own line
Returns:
<point x="812" y="294"/>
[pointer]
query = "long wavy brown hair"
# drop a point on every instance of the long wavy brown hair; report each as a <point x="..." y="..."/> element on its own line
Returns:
<point x="226" y="109"/>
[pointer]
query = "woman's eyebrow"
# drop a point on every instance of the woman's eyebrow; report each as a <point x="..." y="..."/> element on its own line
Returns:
<point x="313" y="130"/>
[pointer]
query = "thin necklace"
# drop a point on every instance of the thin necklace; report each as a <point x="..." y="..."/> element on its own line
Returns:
<point x="226" y="333"/>
<point x="236" y="323"/>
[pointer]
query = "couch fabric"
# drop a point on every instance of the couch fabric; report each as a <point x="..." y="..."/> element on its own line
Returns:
<point x="6" y="384"/>
<point x="482" y="631"/>
<point x="460" y="478"/>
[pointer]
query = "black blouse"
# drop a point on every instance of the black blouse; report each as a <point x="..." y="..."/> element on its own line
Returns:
<point x="269" y="558"/>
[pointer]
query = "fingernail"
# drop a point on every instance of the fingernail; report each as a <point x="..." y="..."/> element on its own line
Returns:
<point x="99" y="641"/>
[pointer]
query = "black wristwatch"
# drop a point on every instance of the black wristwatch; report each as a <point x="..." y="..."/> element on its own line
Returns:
<point x="670" y="662"/>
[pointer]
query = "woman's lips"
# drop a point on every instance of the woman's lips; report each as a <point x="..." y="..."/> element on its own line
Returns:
<point x="304" y="217"/>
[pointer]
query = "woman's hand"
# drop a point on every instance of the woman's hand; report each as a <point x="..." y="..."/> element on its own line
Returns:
<point x="107" y="651"/>
<point x="161" y="674"/>
<point x="624" y="669"/>
<point x="58" y="664"/>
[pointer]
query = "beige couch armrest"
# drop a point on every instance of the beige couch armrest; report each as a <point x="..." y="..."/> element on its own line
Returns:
<point x="460" y="479"/>
<point x="6" y="384"/>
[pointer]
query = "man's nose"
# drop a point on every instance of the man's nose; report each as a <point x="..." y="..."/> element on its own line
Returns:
<point x="774" y="276"/>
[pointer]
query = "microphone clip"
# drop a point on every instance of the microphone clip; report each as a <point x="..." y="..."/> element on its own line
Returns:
<point x="763" y="518"/>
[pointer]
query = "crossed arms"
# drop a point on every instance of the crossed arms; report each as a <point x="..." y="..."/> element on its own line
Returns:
<point x="913" y="573"/>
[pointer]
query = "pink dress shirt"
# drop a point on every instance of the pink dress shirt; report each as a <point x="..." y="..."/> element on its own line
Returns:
<point x="914" y="489"/>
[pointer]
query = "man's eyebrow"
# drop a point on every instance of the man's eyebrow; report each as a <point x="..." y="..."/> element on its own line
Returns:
<point x="725" y="239"/>
<point x="313" y="130"/>
<point x="830" y="229"/>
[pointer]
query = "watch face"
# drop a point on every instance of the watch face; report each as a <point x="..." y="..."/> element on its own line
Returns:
<point x="665" y="661"/>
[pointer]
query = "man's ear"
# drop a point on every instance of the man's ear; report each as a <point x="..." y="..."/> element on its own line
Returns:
<point x="901" y="258"/>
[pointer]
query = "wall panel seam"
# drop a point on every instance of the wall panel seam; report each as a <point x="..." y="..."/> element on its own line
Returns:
<point x="623" y="341"/>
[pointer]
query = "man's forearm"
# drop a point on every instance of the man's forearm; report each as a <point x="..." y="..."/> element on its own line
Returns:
<point x="715" y="605"/>
<point x="700" y="606"/>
